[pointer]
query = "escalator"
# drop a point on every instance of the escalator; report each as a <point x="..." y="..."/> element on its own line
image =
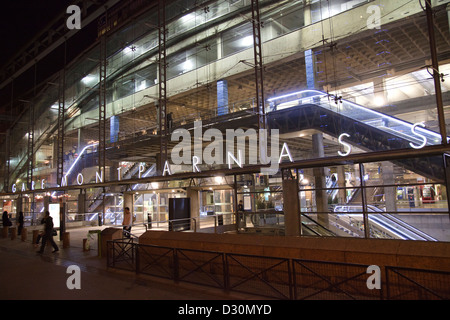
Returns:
<point x="381" y="224"/>
<point x="310" y="227"/>
<point x="350" y="224"/>
<point x="367" y="129"/>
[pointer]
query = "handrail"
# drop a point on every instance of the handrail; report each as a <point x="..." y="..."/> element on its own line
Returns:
<point x="170" y="222"/>
<point x="171" y="226"/>
<point x="408" y="227"/>
<point x="318" y="224"/>
<point x="194" y="219"/>
<point x="355" y="111"/>
<point x="129" y="233"/>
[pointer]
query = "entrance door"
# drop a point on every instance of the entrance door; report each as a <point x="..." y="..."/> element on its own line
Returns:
<point x="152" y="207"/>
<point x="113" y="209"/>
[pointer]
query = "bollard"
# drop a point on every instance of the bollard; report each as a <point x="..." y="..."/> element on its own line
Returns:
<point x="35" y="235"/>
<point x="23" y="234"/>
<point x="13" y="233"/>
<point x="5" y="232"/>
<point x="86" y="246"/>
<point x="66" y="240"/>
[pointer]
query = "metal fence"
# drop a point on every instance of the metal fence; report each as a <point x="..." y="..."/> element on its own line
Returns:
<point x="276" y="278"/>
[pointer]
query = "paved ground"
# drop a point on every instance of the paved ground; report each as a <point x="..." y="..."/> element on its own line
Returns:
<point x="24" y="274"/>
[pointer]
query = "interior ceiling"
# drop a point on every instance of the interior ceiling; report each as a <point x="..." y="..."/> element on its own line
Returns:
<point x="396" y="49"/>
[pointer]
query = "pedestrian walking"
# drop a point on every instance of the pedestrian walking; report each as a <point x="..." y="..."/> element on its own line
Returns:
<point x="48" y="234"/>
<point x="127" y="222"/>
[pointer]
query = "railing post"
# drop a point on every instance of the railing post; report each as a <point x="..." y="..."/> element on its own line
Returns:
<point x="132" y="250"/>
<point x="294" y="280"/>
<point x="112" y="253"/>
<point x="388" y="289"/>
<point x="137" y="258"/>
<point x="290" y="277"/>
<point x="176" y="273"/>
<point x="383" y="279"/>
<point x="226" y="275"/>
<point x="107" y="254"/>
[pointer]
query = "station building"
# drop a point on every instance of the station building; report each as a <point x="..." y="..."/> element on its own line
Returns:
<point x="287" y="118"/>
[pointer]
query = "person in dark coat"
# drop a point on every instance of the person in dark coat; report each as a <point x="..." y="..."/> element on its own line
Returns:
<point x="20" y="222"/>
<point x="48" y="233"/>
<point x="5" y="219"/>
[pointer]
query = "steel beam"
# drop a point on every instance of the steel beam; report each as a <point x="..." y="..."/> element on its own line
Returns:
<point x="162" y="84"/>
<point x="258" y="57"/>
<point x="61" y="116"/>
<point x="30" y="145"/>
<point x="102" y="107"/>
<point x="436" y="74"/>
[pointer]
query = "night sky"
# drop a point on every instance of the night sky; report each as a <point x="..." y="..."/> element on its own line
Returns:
<point x="21" y="20"/>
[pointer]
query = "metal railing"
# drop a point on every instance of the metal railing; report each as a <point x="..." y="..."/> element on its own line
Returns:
<point x="274" y="277"/>
<point x="417" y="284"/>
<point x="195" y="224"/>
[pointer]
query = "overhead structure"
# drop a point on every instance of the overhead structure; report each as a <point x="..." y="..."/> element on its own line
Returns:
<point x="162" y="84"/>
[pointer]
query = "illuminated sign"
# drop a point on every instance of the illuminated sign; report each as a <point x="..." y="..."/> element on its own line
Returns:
<point x="257" y="142"/>
<point x="424" y="139"/>
<point x="345" y="144"/>
<point x="53" y="208"/>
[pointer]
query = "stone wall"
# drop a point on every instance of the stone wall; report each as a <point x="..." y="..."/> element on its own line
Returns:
<point x="399" y="253"/>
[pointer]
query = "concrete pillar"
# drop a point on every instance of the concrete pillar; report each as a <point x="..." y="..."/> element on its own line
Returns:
<point x="341" y="184"/>
<point x="194" y="195"/>
<point x="19" y="204"/>
<point x="81" y="202"/>
<point x="307" y="12"/>
<point x="390" y="193"/>
<point x="46" y="203"/>
<point x="128" y="201"/>
<point x="417" y="201"/>
<point x="291" y="208"/>
<point x="219" y="46"/>
<point x="320" y="181"/>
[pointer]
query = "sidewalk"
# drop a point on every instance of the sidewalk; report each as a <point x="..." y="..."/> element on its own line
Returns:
<point x="28" y="275"/>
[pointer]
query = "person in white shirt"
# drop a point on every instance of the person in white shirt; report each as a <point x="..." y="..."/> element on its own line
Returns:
<point x="127" y="222"/>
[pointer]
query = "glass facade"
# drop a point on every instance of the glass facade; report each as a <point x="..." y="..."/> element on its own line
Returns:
<point x="342" y="80"/>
